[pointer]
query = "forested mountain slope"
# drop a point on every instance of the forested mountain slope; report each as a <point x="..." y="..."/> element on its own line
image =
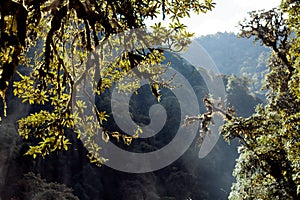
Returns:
<point x="208" y="178"/>
<point x="238" y="56"/>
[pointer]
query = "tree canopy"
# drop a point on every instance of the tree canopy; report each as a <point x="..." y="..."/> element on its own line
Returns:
<point x="63" y="43"/>
<point x="268" y="166"/>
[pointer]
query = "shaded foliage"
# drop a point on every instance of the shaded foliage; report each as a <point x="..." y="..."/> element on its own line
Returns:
<point x="34" y="188"/>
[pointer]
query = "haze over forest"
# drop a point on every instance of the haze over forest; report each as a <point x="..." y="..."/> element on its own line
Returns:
<point x="97" y="105"/>
<point x="208" y="178"/>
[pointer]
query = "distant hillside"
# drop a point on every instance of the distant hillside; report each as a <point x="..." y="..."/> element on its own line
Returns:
<point x="238" y="56"/>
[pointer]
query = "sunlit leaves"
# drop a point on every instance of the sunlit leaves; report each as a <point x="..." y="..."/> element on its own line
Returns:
<point x="105" y="136"/>
<point x="268" y="166"/>
<point x="127" y="139"/>
<point x="45" y="126"/>
<point x="102" y="116"/>
<point x="73" y="54"/>
<point x="137" y="132"/>
<point x="179" y="9"/>
<point x="116" y="135"/>
<point x="175" y="37"/>
<point x="6" y="55"/>
<point x="25" y="89"/>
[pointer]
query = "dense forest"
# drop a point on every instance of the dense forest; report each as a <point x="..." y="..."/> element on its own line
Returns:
<point x="64" y="62"/>
<point x="208" y="178"/>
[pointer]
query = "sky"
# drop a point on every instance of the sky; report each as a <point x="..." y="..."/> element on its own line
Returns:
<point x="226" y="15"/>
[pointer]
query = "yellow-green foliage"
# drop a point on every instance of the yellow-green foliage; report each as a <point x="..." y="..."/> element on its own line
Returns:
<point x="67" y="39"/>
